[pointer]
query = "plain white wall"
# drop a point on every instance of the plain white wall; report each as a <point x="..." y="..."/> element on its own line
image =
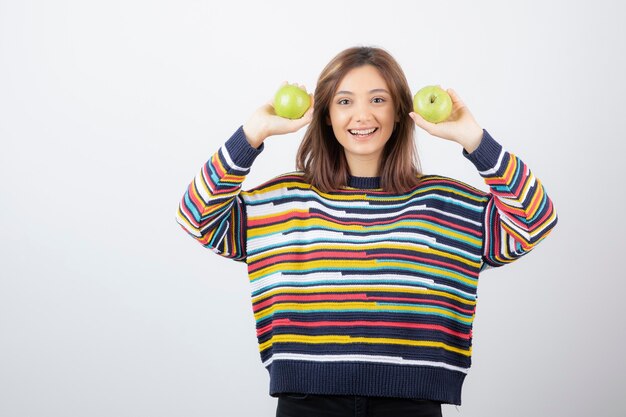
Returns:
<point x="109" y="108"/>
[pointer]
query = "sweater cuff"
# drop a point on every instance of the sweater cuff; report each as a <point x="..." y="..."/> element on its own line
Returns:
<point x="241" y="152"/>
<point x="486" y="155"/>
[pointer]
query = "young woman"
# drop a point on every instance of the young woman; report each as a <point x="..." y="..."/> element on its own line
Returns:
<point x="363" y="271"/>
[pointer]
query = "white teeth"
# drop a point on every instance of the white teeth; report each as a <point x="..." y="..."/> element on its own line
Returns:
<point x="362" y="132"/>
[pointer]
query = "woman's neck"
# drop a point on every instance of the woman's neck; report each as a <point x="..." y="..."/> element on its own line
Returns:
<point x="364" y="183"/>
<point x="363" y="167"/>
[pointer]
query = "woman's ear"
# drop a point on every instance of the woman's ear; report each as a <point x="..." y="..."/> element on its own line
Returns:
<point x="328" y="122"/>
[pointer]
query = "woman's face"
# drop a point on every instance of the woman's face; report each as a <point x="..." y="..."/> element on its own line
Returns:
<point x="362" y="116"/>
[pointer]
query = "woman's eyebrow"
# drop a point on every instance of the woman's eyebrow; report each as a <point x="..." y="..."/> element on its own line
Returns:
<point x="376" y="90"/>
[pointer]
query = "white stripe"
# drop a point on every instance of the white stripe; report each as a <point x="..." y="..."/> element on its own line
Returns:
<point x="350" y="287"/>
<point x="522" y="232"/>
<point x="383" y="288"/>
<point x="419" y="283"/>
<point x="331" y="277"/>
<point x="230" y="162"/>
<point x="313" y="201"/>
<point x="337" y="276"/>
<point x="200" y="180"/>
<point x="516" y="200"/>
<point x="354" y="246"/>
<point x="396" y="360"/>
<point x="539" y="230"/>
<point x="511" y="202"/>
<point x="186" y="220"/>
<point x="201" y="185"/>
<point x="281" y="238"/>
<point x="456" y="216"/>
<point x="269" y="209"/>
<point x="492" y="171"/>
<point x="221" y="239"/>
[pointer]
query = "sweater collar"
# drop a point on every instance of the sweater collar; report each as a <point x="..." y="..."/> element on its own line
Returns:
<point x="366" y="183"/>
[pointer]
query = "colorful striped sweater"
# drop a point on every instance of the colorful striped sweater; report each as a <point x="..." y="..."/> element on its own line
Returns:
<point x="360" y="291"/>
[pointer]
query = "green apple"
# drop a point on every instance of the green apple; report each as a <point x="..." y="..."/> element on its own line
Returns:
<point x="291" y="102"/>
<point x="433" y="103"/>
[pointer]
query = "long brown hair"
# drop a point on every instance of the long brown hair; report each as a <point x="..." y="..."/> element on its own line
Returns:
<point x="322" y="157"/>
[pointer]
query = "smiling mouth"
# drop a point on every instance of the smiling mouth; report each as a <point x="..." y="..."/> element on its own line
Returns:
<point x="362" y="133"/>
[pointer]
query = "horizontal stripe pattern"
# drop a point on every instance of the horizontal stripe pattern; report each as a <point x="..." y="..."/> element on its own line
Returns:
<point x="364" y="276"/>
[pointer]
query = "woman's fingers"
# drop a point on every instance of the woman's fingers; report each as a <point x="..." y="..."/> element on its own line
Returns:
<point x="423" y="123"/>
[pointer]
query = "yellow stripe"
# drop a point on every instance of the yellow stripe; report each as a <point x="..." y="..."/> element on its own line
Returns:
<point x="278" y="228"/>
<point x="336" y="289"/>
<point x="290" y="212"/>
<point x="450" y="189"/>
<point x="280" y="184"/>
<point x="367" y="264"/>
<point x="536" y="199"/>
<point x="373" y="306"/>
<point x="305" y="187"/>
<point x="536" y="231"/>
<point x="217" y="163"/>
<point x="297" y="338"/>
<point x="510" y="169"/>
<point x="522" y="239"/>
<point x="443" y="231"/>
<point x="183" y="218"/>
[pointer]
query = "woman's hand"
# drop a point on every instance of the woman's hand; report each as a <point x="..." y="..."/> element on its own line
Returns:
<point x="264" y="123"/>
<point x="460" y="127"/>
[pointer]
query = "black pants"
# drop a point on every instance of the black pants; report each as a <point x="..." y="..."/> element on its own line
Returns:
<point x="308" y="405"/>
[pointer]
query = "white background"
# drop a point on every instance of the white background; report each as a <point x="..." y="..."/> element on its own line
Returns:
<point x="109" y="108"/>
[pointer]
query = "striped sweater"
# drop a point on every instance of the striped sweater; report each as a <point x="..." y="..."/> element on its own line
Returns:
<point x="360" y="291"/>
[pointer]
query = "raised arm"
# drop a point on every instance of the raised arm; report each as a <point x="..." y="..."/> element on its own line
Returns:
<point x="211" y="210"/>
<point x="519" y="213"/>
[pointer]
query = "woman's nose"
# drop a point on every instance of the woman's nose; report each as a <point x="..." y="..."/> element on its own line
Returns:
<point x="362" y="113"/>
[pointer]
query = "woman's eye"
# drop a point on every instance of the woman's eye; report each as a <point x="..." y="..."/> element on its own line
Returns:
<point x="343" y="101"/>
<point x="378" y="100"/>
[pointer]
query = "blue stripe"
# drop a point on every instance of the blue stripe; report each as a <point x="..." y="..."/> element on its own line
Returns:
<point x="191" y="207"/>
<point x="360" y="282"/>
<point x="362" y="204"/>
<point x="382" y="269"/>
<point x="359" y="310"/>
<point x="387" y="240"/>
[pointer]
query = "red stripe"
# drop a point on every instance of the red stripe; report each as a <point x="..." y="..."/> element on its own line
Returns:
<point x="277" y="219"/>
<point x="353" y="297"/>
<point x="223" y="176"/>
<point x="194" y="196"/>
<point x="339" y="255"/>
<point x="495" y="229"/>
<point x="306" y="256"/>
<point x="218" y="165"/>
<point x="305" y="216"/>
<point x="548" y="213"/>
<point x="288" y="322"/>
